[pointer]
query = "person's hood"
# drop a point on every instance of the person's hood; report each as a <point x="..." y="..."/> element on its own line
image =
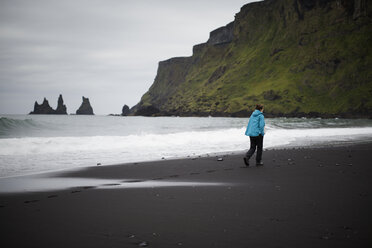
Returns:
<point x="256" y="113"/>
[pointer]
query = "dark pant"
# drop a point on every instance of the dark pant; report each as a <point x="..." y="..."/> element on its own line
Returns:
<point x="256" y="142"/>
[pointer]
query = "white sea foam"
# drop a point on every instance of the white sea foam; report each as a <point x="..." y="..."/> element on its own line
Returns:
<point x="156" y="138"/>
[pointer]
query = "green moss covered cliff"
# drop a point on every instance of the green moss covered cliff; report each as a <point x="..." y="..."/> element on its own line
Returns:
<point x="297" y="57"/>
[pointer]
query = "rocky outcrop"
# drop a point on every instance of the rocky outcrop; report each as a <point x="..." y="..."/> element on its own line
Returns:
<point x="42" y="109"/>
<point x="222" y="35"/>
<point x="125" y="111"/>
<point x="61" y="108"/>
<point x="46" y="109"/>
<point x="85" y="108"/>
<point x="360" y="9"/>
<point x="297" y="57"/>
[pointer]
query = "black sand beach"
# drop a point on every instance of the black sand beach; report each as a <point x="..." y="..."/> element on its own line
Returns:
<point x="299" y="198"/>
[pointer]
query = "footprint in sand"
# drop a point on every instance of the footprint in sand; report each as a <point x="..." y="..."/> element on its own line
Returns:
<point x="174" y="176"/>
<point x="194" y="173"/>
<point x="157" y="178"/>
<point x="52" y="196"/>
<point x="210" y="171"/>
<point x="75" y="191"/>
<point x="31" y="201"/>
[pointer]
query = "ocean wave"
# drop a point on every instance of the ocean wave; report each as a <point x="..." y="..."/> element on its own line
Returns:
<point x="312" y="123"/>
<point x="9" y="126"/>
<point x="69" y="142"/>
<point x="174" y="144"/>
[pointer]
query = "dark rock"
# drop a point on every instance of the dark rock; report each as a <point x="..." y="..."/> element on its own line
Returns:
<point x="61" y="108"/>
<point x="242" y="113"/>
<point x="43" y="108"/>
<point x="222" y="35"/>
<point x="46" y="109"/>
<point x="198" y="48"/>
<point x="85" y="108"/>
<point x="271" y="95"/>
<point x="360" y="8"/>
<point x="125" y="111"/>
<point x="147" y="111"/>
<point x="356" y="8"/>
<point x="217" y="74"/>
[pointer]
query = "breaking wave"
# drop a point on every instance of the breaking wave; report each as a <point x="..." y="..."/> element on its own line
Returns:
<point x="46" y="143"/>
<point x="17" y="127"/>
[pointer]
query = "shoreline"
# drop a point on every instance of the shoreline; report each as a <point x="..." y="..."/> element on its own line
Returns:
<point x="304" y="197"/>
<point x="311" y="145"/>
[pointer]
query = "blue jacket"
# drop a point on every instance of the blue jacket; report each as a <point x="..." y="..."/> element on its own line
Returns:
<point x="256" y="124"/>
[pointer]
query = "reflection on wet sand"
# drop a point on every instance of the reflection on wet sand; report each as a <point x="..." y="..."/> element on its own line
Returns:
<point x="40" y="184"/>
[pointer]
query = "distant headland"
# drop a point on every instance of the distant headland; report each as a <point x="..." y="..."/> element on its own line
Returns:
<point x="299" y="58"/>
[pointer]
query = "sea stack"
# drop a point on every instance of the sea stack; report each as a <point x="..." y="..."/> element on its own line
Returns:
<point x="125" y="111"/>
<point x="85" y="108"/>
<point x="46" y="109"/>
<point x="61" y="108"/>
<point x="42" y="109"/>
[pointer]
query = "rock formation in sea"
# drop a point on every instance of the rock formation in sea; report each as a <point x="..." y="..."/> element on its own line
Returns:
<point x="125" y="111"/>
<point x="85" y="108"/>
<point x="61" y="108"/>
<point x="297" y="57"/>
<point x="46" y="109"/>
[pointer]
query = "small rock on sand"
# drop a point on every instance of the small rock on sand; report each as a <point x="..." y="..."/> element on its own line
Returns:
<point x="143" y="244"/>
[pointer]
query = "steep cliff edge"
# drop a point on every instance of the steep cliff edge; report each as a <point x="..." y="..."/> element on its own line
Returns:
<point x="297" y="57"/>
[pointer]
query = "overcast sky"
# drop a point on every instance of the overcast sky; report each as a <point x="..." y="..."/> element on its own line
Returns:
<point x="106" y="50"/>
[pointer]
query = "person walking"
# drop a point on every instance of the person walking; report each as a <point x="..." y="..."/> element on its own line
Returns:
<point x="255" y="131"/>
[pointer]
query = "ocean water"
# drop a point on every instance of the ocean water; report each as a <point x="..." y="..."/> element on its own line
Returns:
<point x="38" y="143"/>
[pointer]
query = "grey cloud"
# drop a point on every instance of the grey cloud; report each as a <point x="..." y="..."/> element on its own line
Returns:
<point x="105" y="50"/>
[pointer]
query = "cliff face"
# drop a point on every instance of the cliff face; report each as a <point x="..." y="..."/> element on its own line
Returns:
<point x="45" y="108"/>
<point x="297" y="57"/>
<point x="85" y="108"/>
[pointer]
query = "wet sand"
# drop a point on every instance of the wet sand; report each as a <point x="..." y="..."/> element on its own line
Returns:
<point x="299" y="198"/>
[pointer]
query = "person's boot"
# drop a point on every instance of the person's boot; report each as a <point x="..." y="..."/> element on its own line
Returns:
<point x="246" y="161"/>
<point x="260" y="163"/>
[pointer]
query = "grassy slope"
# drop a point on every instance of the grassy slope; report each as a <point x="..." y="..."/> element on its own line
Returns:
<point x="320" y="63"/>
